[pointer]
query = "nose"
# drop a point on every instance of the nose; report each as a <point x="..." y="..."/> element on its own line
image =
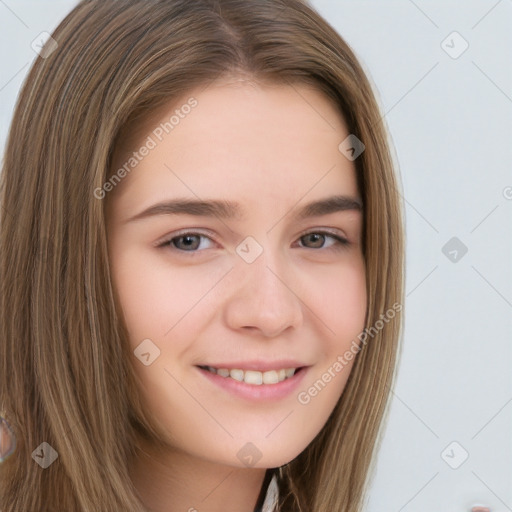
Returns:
<point x="263" y="299"/>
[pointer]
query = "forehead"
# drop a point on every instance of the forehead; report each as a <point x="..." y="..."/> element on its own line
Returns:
<point x="240" y="138"/>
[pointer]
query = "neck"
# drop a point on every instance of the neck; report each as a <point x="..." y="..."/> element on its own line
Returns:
<point x="174" y="481"/>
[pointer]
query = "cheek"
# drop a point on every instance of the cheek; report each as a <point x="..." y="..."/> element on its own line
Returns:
<point x="339" y="299"/>
<point x="155" y="297"/>
<point x="346" y="304"/>
<point x="340" y="303"/>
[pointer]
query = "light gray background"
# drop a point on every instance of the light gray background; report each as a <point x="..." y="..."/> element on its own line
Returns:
<point x="451" y="122"/>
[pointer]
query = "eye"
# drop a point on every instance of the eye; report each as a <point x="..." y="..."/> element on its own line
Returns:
<point x="195" y="242"/>
<point x="188" y="242"/>
<point x="322" y="240"/>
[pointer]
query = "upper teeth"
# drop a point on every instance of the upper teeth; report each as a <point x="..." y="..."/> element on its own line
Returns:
<point x="254" y="377"/>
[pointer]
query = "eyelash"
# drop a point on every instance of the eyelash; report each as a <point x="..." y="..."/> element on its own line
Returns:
<point x="339" y="242"/>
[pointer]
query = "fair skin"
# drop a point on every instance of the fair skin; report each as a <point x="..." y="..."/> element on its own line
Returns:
<point x="300" y="302"/>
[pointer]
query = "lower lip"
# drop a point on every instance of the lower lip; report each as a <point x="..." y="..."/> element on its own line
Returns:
<point x="262" y="392"/>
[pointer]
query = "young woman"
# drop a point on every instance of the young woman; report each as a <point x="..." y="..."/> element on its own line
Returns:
<point x="201" y="264"/>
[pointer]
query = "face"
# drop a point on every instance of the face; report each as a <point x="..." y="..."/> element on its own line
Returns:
<point x="250" y="270"/>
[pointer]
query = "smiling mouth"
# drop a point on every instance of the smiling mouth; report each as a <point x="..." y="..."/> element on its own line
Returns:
<point x="253" y="377"/>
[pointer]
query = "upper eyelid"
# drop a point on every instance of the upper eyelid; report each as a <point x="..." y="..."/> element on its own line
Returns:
<point x="329" y="231"/>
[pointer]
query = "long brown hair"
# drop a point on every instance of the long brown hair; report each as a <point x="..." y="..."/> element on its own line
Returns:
<point x="65" y="376"/>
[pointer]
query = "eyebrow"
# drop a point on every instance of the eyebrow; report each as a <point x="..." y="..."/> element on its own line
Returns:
<point x="230" y="210"/>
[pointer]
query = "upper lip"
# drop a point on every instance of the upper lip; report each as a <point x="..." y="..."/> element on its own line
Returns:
<point x="262" y="366"/>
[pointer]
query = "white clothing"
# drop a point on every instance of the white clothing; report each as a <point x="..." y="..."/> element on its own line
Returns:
<point x="271" y="497"/>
